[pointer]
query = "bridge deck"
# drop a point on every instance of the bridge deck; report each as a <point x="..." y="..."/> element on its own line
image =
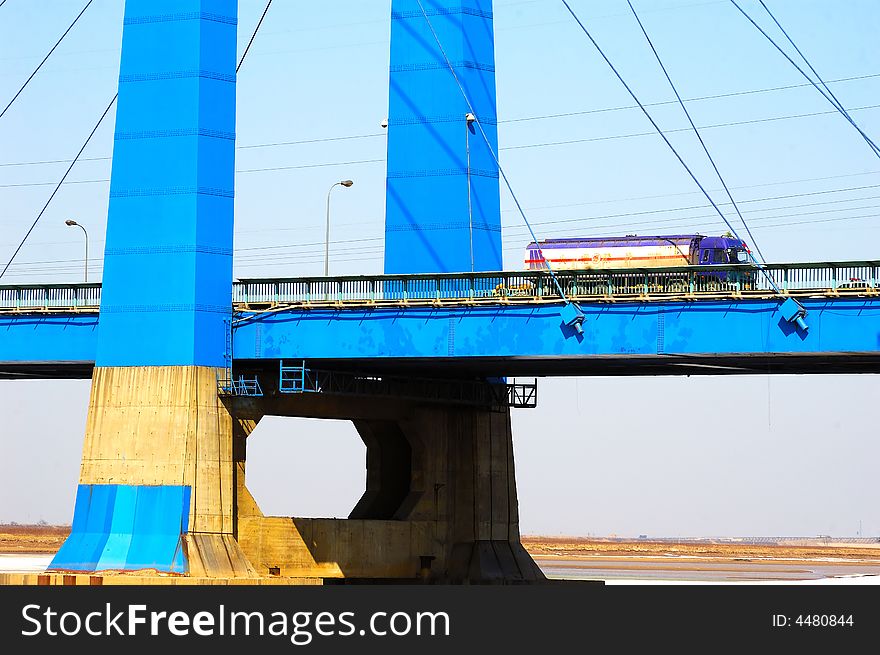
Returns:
<point x="708" y="320"/>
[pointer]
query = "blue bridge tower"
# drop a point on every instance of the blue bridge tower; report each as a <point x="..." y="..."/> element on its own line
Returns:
<point x="442" y="207"/>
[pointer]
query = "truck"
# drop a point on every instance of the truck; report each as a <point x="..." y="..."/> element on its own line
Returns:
<point x="636" y="252"/>
<point x="659" y="264"/>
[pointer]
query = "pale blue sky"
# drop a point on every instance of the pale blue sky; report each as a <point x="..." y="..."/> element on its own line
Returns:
<point x="599" y="456"/>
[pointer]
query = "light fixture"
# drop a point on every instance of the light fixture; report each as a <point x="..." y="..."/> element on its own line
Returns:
<point x="72" y="223"/>
<point x="344" y="183"/>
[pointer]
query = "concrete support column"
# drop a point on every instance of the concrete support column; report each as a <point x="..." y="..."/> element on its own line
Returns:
<point x="163" y="426"/>
<point x="244" y="503"/>
<point x="156" y="486"/>
<point x="440" y="504"/>
<point x="156" y="483"/>
<point x="463" y="479"/>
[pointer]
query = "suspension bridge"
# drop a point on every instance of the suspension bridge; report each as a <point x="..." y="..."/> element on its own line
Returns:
<point x="426" y="359"/>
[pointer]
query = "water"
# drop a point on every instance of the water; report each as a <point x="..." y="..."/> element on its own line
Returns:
<point x="24" y="563"/>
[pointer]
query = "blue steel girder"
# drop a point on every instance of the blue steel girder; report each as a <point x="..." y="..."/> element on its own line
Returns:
<point x="47" y="345"/>
<point x="534" y="331"/>
<point x="625" y="337"/>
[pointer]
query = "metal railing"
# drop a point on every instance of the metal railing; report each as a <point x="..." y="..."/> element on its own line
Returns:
<point x="239" y="386"/>
<point x="734" y="281"/>
<point x="646" y="284"/>
<point x="50" y="297"/>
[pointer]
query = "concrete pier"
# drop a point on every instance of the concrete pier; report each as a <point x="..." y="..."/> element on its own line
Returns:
<point x="440" y="502"/>
<point x="155" y="489"/>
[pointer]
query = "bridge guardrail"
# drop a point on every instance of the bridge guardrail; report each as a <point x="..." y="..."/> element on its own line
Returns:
<point x="50" y="297"/>
<point x="735" y="281"/>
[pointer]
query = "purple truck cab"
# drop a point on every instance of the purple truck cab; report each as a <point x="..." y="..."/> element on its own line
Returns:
<point x="719" y="250"/>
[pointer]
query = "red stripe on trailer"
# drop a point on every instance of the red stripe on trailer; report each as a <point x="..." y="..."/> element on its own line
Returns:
<point x="602" y="259"/>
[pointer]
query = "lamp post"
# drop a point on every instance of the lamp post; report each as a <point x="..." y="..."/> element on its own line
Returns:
<point x="72" y="223"/>
<point x="347" y="184"/>
<point x="469" y="119"/>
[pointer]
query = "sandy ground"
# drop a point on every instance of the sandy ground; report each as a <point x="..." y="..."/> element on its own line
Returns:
<point x="32" y="538"/>
<point x="618" y="561"/>
<point x="577" y="548"/>
<point x="48" y="539"/>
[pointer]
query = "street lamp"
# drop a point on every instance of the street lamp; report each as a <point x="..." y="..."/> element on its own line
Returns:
<point x="347" y="184"/>
<point x="72" y="223"/>
<point x="469" y="119"/>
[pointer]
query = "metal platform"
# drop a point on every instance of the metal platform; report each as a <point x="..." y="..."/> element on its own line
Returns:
<point x="300" y="379"/>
